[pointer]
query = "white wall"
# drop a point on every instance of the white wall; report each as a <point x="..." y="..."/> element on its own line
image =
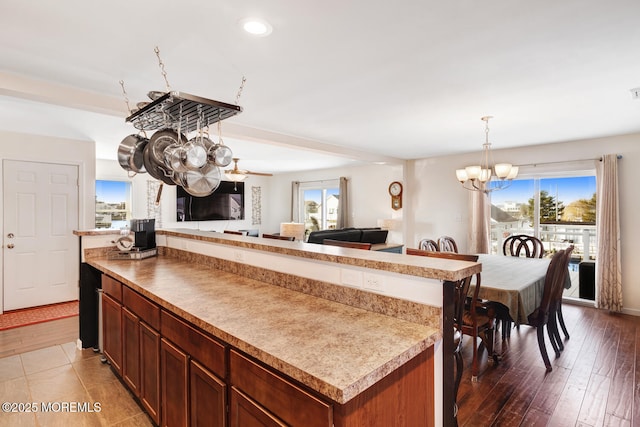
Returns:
<point x="440" y="204"/>
<point x="369" y="197"/>
<point x="111" y="170"/>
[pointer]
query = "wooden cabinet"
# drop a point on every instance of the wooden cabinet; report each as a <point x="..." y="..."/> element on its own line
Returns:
<point x="141" y="350"/>
<point x="272" y="394"/>
<point x="206" y="360"/>
<point x="150" y="371"/>
<point x="185" y="377"/>
<point x="244" y="412"/>
<point x="175" y="388"/>
<point x="207" y="398"/>
<point x="112" y="332"/>
<point x="131" y="351"/>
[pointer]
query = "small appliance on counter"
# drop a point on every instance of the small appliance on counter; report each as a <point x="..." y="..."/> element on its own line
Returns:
<point x="143" y="243"/>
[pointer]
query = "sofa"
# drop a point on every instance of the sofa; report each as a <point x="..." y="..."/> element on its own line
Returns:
<point x="365" y="235"/>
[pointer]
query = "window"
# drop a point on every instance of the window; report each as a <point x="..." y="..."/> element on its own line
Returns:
<point x="113" y="204"/>
<point x="560" y="210"/>
<point x="319" y="203"/>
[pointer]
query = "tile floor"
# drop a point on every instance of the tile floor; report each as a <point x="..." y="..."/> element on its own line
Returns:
<point x="63" y="373"/>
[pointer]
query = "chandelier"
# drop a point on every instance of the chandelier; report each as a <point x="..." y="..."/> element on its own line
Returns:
<point x="478" y="177"/>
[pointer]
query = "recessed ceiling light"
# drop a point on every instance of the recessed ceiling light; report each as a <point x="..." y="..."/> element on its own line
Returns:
<point x="256" y="26"/>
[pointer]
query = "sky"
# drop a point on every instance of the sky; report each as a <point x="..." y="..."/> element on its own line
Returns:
<point x="316" y="195"/>
<point x="112" y="191"/>
<point x="568" y="189"/>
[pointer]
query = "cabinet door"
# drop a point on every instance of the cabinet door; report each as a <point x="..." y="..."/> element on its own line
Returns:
<point x="244" y="412"/>
<point x="208" y="397"/>
<point x="131" y="351"/>
<point x="112" y="332"/>
<point x="174" y="385"/>
<point x="150" y="371"/>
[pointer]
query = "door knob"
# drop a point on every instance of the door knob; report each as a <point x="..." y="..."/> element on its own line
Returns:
<point x="10" y="246"/>
<point x="10" y="236"/>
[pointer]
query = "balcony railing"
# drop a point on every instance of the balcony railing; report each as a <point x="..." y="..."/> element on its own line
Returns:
<point x="554" y="237"/>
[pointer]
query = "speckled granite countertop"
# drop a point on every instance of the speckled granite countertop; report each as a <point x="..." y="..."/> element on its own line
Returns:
<point x="333" y="348"/>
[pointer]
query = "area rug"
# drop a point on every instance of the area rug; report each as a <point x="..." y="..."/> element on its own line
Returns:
<point x="33" y="315"/>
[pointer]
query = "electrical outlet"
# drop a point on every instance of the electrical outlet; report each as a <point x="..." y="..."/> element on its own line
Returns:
<point x="238" y="256"/>
<point x="373" y="282"/>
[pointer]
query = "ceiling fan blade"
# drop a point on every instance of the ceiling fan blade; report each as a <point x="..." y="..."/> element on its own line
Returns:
<point x="258" y="173"/>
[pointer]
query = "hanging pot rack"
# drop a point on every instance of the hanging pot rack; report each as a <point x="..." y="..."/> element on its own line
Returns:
<point x="179" y="109"/>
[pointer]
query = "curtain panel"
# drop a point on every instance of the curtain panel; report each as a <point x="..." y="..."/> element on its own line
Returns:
<point x="343" y="205"/>
<point x="608" y="265"/>
<point x="480" y="223"/>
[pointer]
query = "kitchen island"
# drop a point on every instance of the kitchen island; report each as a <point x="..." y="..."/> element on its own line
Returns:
<point x="367" y="358"/>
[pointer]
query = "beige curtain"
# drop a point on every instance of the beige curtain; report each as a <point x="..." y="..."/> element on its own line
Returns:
<point x="295" y="201"/>
<point x="480" y="227"/>
<point x="343" y="205"/>
<point x="608" y="266"/>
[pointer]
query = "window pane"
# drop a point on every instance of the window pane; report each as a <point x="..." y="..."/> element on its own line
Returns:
<point x="320" y="207"/>
<point x="510" y="212"/>
<point x="568" y="214"/>
<point x="113" y="201"/>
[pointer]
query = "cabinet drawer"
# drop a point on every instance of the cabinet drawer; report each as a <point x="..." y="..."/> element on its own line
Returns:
<point x="280" y="397"/>
<point x="112" y="287"/>
<point x="147" y="310"/>
<point x="201" y="347"/>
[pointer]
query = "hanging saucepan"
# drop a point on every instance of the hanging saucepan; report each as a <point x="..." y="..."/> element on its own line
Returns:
<point x="175" y="157"/>
<point x="201" y="182"/>
<point x="154" y="154"/>
<point x="195" y="154"/>
<point x="220" y="155"/>
<point x="131" y="154"/>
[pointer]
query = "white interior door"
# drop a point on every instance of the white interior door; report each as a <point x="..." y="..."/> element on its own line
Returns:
<point x="40" y="211"/>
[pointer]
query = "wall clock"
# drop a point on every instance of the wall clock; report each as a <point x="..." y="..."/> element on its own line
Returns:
<point x="395" y="190"/>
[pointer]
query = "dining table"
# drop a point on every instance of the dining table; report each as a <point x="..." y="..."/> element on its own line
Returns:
<point x="515" y="282"/>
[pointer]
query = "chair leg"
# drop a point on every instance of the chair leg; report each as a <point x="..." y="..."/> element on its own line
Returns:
<point x="561" y="320"/>
<point x="459" y="369"/>
<point x="552" y="332"/>
<point x="543" y="348"/>
<point x="474" y="363"/>
<point x="556" y="331"/>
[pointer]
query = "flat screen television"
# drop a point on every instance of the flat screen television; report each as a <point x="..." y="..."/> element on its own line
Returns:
<point x="226" y="203"/>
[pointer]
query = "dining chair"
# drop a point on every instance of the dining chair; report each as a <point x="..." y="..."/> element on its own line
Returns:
<point x="542" y="315"/>
<point x="461" y="289"/>
<point x="346" y="244"/>
<point x="447" y="244"/>
<point x="237" y="233"/>
<point x="556" y="305"/>
<point x="523" y="245"/>
<point x="476" y="318"/>
<point x="428" y="245"/>
<point x="279" y="237"/>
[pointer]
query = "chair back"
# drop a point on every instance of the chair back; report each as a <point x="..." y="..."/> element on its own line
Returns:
<point x="523" y="245"/>
<point x="554" y="272"/>
<point x="279" y="237"/>
<point x="237" y="233"/>
<point x="461" y="287"/>
<point x="345" y="244"/>
<point x="563" y="270"/>
<point x="447" y="255"/>
<point x="447" y="244"/>
<point x="428" y="245"/>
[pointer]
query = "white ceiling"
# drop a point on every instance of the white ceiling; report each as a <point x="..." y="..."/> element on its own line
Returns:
<point x="337" y="82"/>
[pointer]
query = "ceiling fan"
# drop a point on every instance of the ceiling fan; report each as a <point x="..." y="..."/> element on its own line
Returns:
<point x="238" y="175"/>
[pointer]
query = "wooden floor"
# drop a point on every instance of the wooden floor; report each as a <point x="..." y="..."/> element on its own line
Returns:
<point x="594" y="382"/>
<point x="33" y="337"/>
